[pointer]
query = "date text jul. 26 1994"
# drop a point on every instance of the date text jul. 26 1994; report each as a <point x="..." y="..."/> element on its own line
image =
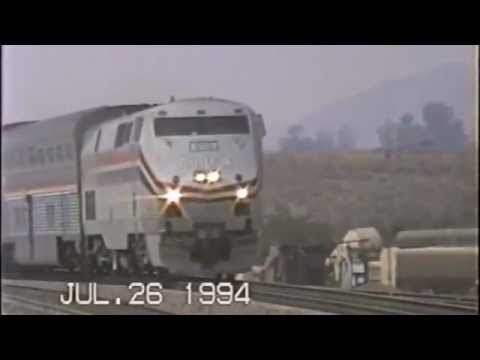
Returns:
<point x="223" y="293"/>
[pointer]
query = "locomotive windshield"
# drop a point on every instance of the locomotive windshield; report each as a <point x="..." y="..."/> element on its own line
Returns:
<point x="212" y="125"/>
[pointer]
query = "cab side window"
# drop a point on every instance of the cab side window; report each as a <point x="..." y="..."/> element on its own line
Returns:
<point x="119" y="136"/>
<point x="138" y="129"/>
<point x="123" y="134"/>
<point x="127" y="133"/>
<point x="97" y="141"/>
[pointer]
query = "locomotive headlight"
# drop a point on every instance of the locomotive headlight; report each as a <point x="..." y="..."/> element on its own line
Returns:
<point x="213" y="176"/>
<point x="173" y="195"/>
<point x="242" y="193"/>
<point x="200" y="177"/>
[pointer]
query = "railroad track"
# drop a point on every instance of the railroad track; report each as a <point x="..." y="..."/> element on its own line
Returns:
<point x="449" y="299"/>
<point x="347" y="302"/>
<point x="22" y="305"/>
<point x="332" y="300"/>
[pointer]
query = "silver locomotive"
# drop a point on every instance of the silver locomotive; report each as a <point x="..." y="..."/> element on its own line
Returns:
<point x="133" y="188"/>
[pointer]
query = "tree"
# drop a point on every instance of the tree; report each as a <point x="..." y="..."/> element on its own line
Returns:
<point x="296" y="142"/>
<point x="409" y="136"/>
<point x="386" y="135"/>
<point x="458" y="139"/>
<point x="406" y="120"/>
<point x="295" y="131"/>
<point x="283" y="228"/>
<point x="346" y="138"/>
<point x="437" y="115"/>
<point x="444" y="131"/>
<point x="324" y="142"/>
<point x="293" y="142"/>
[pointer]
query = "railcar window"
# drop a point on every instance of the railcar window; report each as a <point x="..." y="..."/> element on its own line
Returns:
<point x="213" y="125"/>
<point x="40" y="156"/>
<point x="8" y="159"/>
<point x="11" y="159"/>
<point x="134" y="205"/>
<point x="59" y="153"/>
<point x="21" y="158"/>
<point x="31" y="155"/>
<point x="20" y="218"/>
<point x="50" y="154"/>
<point x="97" y="142"/>
<point x="138" y="129"/>
<point x="50" y="210"/>
<point x="90" y="205"/>
<point x="69" y="151"/>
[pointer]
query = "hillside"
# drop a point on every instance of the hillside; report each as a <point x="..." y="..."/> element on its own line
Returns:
<point x="452" y="83"/>
<point x="341" y="191"/>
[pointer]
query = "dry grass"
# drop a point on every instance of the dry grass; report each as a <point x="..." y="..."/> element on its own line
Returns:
<point x="408" y="191"/>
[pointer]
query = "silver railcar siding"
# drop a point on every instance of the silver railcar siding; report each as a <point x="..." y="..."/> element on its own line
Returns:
<point x="22" y="178"/>
<point x="65" y="214"/>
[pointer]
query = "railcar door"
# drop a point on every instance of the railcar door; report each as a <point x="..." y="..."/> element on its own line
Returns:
<point x="21" y="229"/>
<point x="31" y="242"/>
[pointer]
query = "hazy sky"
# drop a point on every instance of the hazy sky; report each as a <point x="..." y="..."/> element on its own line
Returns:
<point x="284" y="83"/>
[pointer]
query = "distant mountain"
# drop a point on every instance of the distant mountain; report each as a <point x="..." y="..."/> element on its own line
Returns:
<point x="451" y="83"/>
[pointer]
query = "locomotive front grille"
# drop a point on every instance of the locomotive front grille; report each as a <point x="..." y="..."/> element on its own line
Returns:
<point x="211" y="245"/>
<point x="209" y="230"/>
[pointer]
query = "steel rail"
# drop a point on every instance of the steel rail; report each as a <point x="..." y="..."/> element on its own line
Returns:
<point x="351" y="302"/>
<point x="453" y="299"/>
<point x="41" y="306"/>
